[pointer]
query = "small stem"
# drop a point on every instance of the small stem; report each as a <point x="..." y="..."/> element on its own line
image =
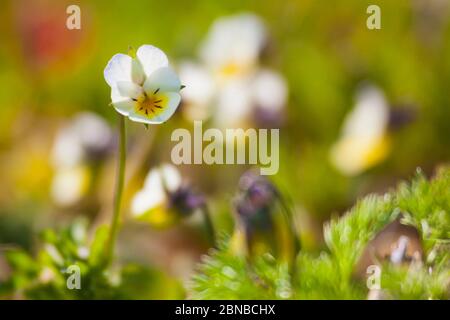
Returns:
<point x="209" y="225"/>
<point x="119" y="190"/>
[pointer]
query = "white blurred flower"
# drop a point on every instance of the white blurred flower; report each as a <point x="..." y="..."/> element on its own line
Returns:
<point x="144" y="89"/>
<point x="69" y="185"/>
<point x="86" y="137"/>
<point x="364" y="141"/>
<point x="86" y="133"/>
<point x="233" y="44"/>
<point x="243" y="100"/>
<point x="164" y="198"/>
<point x="150" y="202"/>
<point x="230" y="85"/>
<point x="199" y="93"/>
<point x="269" y="90"/>
<point x="234" y="104"/>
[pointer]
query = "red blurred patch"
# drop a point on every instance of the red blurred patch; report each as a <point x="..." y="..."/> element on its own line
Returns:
<point x="43" y="34"/>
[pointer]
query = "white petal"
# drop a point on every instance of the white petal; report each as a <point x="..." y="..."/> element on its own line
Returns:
<point x="153" y="181"/>
<point x="118" y="69"/>
<point x="153" y="193"/>
<point x="199" y="92"/>
<point x="124" y="107"/>
<point x="236" y="39"/>
<point x="164" y="79"/>
<point x="140" y="118"/>
<point x="200" y="86"/>
<point x="369" y="117"/>
<point x="129" y="89"/>
<point x="122" y="104"/>
<point x="137" y="72"/>
<point x="151" y="58"/>
<point x="146" y="200"/>
<point x="234" y="104"/>
<point x="174" y="99"/>
<point x="269" y="90"/>
<point x="171" y="177"/>
<point x="165" y="177"/>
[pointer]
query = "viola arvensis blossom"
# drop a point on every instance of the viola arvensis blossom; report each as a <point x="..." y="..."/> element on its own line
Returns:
<point x="364" y="141"/>
<point x="228" y="82"/>
<point x="144" y="88"/>
<point x="79" y="144"/>
<point x="165" y="198"/>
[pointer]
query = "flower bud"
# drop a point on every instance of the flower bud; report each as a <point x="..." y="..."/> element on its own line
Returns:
<point x="263" y="225"/>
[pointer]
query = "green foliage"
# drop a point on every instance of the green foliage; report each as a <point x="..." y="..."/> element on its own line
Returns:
<point x="416" y="283"/>
<point x="225" y="276"/>
<point x="46" y="276"/>
<point x="319" y="279"/>
<point x="330" y="275"/>
<point x="427" y="205"/>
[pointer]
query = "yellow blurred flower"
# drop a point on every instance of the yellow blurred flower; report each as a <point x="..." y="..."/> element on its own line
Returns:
<point x="364" y="140"/>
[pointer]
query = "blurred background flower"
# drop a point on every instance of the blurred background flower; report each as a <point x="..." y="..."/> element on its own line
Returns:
<point x="262" y="223"/>
<point x="79" y="146"/>
<point x="228" y="83"/>
<point x="363" y="142"/>
<point x="165" y="198"/>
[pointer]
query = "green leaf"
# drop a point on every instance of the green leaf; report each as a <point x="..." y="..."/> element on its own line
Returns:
<point x="97" y="253"/>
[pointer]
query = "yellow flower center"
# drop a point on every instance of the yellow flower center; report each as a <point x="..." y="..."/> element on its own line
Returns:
<point x="151" y="105"/>
<point x="230" y="69"/>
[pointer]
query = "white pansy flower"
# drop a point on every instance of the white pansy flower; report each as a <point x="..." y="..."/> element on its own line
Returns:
<point x="233" y="44"/>
<point x="145" y="88"/>
<point x="363" y="142"/>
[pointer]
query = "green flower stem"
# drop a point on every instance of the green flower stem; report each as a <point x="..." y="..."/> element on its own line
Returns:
<point x="119" y="190"/>
<point x="209" y="225"/>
